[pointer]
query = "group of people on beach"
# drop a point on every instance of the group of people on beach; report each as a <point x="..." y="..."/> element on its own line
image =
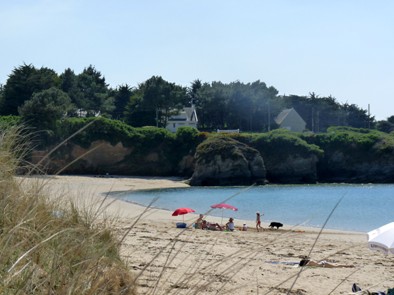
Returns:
<point x="201" y="223"/>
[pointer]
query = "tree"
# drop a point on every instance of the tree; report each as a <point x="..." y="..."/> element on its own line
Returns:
<point x="69" y="84"/>
<point x="236" y="105"/>
<point x="45" y="107"/>
<point x="319" y="113"/>
<point x="22" y="83"/>
<point x="356" y="117"/>
<point x="122" y="97"/>
<point x="386" y="125"/>
<point x="212" y="106"/>
<point x="390" y="119"/>
<point x="154" y="101"/>
<point x="68" y="81"/>
<point x="91" y="93"/>
<point x="192" y="92"/>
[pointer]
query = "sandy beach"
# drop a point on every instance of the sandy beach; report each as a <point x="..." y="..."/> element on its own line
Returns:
<point x="169" y="260"/>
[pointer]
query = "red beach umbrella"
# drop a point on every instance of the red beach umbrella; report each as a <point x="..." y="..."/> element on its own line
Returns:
<point x="182" y="211"/>
<point x="224" y="206"/>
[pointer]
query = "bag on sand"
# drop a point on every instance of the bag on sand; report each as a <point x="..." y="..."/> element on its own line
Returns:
<point x="355" y="288"/>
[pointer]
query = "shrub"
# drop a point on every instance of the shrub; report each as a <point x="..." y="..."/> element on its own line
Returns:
<point x="187" y="139"/>
<point x="7" y="121"/>
<point x="352" y="141"/>
<point x="280" y="143"/>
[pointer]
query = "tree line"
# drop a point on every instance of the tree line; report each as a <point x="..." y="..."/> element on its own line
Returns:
<point x="41" y="97"/>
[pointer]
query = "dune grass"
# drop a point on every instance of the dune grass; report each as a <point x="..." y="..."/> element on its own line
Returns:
<point x="51" y="248"/>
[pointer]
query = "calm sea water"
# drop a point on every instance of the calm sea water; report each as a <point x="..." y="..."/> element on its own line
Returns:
<point x="362" y="207"/>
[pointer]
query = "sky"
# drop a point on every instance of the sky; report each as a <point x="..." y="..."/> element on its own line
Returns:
<point x="342" y="48"/>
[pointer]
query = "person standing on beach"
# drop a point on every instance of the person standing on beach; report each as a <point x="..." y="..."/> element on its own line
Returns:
<point x="258" y="221"/>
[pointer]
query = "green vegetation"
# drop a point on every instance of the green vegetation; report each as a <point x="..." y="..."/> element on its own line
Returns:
<point x="250" y="107"/>
<point x="214" y="146"/>
<point x="52" y="248"/>
<point x="54" y="107"/>
<point x="353" y="141"/>
<point x="9" y="121"/>
<point x="187" y="139"/>
<point x="279" y="144"/>
<point x="45" y="108"/>
<point x="113" y="131"/>
<point x="153" y="102"/>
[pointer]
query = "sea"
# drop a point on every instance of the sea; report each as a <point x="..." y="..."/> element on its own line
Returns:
<point x="348" y="207"/>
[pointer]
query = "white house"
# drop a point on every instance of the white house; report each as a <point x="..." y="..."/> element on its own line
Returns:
<point x="187" y="117"/>
<point x="290" y="120"/>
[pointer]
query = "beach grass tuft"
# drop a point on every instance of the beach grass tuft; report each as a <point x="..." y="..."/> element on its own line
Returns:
<point x="51" y="247"/>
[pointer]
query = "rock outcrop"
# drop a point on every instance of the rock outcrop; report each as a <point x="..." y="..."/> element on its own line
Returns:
<point x="225" y="161"/>
<point x="293" y="169"/>
<point x="102" y="157"/>
<point x="365" y="168"/>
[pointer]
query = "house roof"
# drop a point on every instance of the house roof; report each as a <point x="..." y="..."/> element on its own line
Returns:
<point x="187" y="114"/>
<point x="191" y="113"/>
<point x="282" y="115"/>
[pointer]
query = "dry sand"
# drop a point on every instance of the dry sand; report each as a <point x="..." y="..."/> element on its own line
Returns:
<point x="168" y="260"/>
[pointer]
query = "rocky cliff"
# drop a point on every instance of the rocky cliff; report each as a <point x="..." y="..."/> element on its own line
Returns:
<point x="225" y="161"/>
<point x="276" y="157"/>
<point x="338" y="166"/>
<point x="293" y="168"/>
<point x="102" y="157"/>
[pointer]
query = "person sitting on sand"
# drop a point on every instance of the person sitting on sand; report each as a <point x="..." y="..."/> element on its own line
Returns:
<point x="230" y="224"/>
<point x="321" y="263"/>
<point x="210" y="226"/>
<point x="215" y="226"/>
<point x="198" y="223"/>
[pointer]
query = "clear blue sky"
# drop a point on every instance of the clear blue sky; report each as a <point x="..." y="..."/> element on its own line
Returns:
<point x="343" y="48"/>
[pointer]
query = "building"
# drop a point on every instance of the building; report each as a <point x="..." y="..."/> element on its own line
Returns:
<point x="187" y="117"/>
<point x="290" y="120"/>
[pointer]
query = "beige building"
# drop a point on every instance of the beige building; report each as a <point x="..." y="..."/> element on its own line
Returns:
<point x="290" y="120"/>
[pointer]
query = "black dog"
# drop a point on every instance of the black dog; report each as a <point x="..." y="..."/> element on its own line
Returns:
<point x="276" y="224"/>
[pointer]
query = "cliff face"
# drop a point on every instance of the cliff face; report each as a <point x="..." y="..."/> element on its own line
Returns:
<point x="101" y="157"/>
<point x="293" y="169"/>
<point x="347" y="167"/>
<point x="287" y="157"/>
<point x="224" y="161"/>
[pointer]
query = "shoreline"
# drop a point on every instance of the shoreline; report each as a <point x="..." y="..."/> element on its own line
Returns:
<point x="217" y="218"/>
<point x="178" y="261"/>
<point x="140" y="183"/>
<point x="249" y="221"/>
